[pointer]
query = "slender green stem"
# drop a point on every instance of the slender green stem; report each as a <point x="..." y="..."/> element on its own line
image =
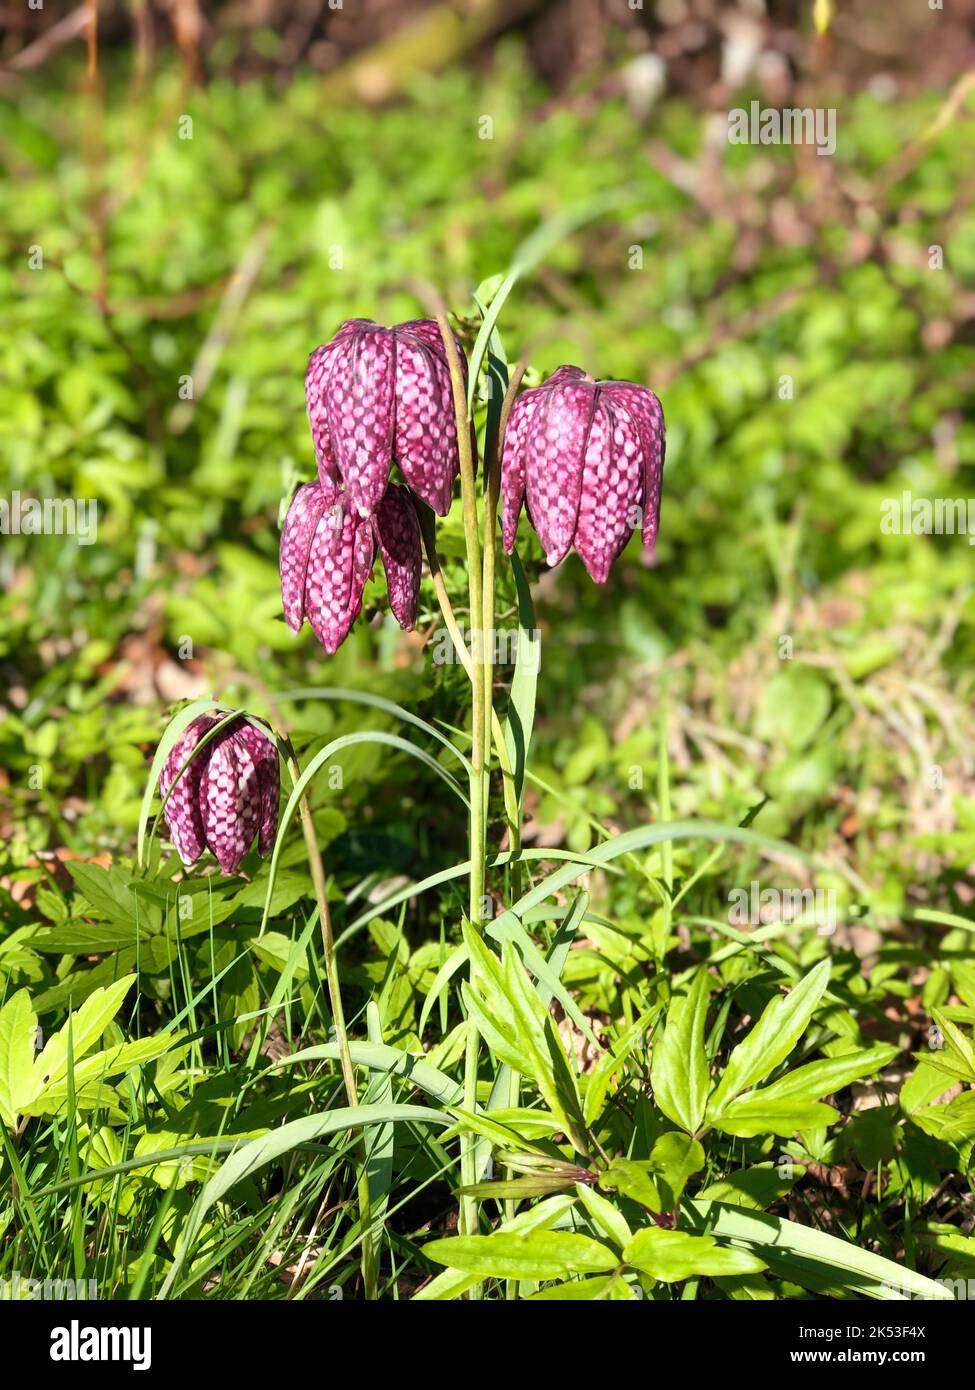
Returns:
<point x="478" y="822"/>
<point x="492" y="491"/>
<point x="457" y="637"/>
<point x="370" y="1267"/>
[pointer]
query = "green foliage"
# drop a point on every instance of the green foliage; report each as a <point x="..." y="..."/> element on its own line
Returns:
<point x="668" y="1104"/>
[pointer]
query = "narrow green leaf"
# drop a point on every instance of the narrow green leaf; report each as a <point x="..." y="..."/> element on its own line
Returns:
<point x="18" y="1029"/>
<point x="954" y="1122"/>
<point x="378" y="1143"/>
<point x="380" y="1057"/>
<point x="445" y="974"/>
<point x="537" y="1255"/>
<point x="956" y="1040"/>
<point x="674" y="1255"/>
<point x="114" y="1060"/>
<point x="679" y="1072"/>
<point x="825" y="1077"/>
<point x="518" y="1189"/>
<point x="794" y="1250"/>
<point x="605" y="1215"/>
<point x="452" y="1283"/>
<point x="746" y="1118"/>
<point x="610" y="1065"/>
<point x="366" y="697"/>
<point x="85" y="1028"/>
<point x="772" y="1038"/>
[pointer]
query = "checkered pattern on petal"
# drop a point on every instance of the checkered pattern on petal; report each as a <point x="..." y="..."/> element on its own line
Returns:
<point x="231" y="798"/>
<point x="359" y="404"/>
<point x="304" y="514"/>
<point x="316" y="382"/>
<point x="646" y="411"/>
<point x="555" y="451"/>
<point x="513" y="462"/>
<point x="328" y="578"/>
<point x="425" y="432"/>
<point x="612" y="486"/>
<point x="316" y="388"/>
<point x="398" y="534"/>
<point x="428" y="331"/>
<point x="183" y="810"/>
<point x="264" y="754"/>
<point x="363" y="558"/>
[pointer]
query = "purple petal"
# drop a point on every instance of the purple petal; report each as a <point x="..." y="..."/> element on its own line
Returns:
<point x="363" y="558"/>
<point x="612" y="485"/>
<point x="398" y="534"/>
<point x="566" y="376"/>
<point x="645" y="409"/>
<point x="264" y="753"/>
<point x="555" y="452"/>
<point x="304" y="514"/>
<point x="231" y="800"/>
<point x="316" y="382"/>
<point x="425" y="434"/>
<point x="513" y="463"/>
<point x="341" y="557"/>
<point x="316" y="396"/>
<point x="359" y="404"/>
<point x="182" y="810"/>
<point x="428" y="332"/>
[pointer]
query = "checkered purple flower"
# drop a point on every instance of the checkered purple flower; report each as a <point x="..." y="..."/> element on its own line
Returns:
<point x="226" y="796"/>
<point x="378" y="396"/>
<point x="587" y="457"/>
<point x="327" y="554"/>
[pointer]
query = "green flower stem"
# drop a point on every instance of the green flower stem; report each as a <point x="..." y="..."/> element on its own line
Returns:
<point x="370" y="1267"/>
<point x="492" y="491"/>
<point x="512" y="815"/>
<point x="468" y="1222"/>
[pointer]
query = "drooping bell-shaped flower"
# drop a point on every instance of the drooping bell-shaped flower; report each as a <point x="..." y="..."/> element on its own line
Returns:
<point x="327" y="554"/>
<point x="587" y="456"/>
<point x="378" y="396"/>
<point x="227" y="794"/>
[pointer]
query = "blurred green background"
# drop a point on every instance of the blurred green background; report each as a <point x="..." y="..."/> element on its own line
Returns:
<point x="213" y="207"/>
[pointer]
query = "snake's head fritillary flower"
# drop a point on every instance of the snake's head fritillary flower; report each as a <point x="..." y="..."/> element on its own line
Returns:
<point x="327" y="554"/>
<point x="378" y="396"/>
<point x="225" y="796"/>
<point x="587" y="456"/>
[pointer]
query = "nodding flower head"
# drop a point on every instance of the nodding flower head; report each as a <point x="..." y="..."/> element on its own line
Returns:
<point x="378" y="396"/>
<point x="327" y="554"/>
<point x="226" y="795"/>
<point x="587" y="456"/>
